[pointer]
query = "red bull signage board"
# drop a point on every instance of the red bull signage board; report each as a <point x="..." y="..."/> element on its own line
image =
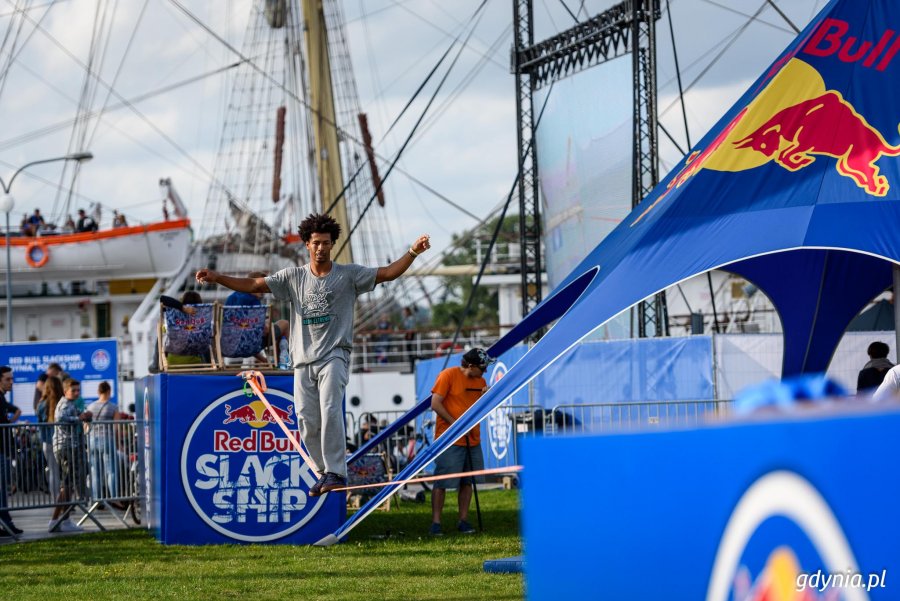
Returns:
<point x="228" y="472"/>
<point x="800" y="508"/>
<point x="803" y="113"/>
<point x="88" y="361"/>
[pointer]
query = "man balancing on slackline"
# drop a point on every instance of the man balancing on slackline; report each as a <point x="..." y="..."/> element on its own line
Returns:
<point x="322" y="294"/>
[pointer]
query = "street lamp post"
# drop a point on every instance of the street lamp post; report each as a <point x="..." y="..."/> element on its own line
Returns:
<point x="7" y="203"/>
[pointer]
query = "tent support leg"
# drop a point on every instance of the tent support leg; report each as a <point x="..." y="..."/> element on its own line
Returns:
<point x="896" y="271"/>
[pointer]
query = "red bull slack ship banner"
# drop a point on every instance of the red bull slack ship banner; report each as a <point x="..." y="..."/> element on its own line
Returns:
<point x="236" y="476"/>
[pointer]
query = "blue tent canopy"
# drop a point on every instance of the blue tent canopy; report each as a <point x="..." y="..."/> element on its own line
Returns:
<point x="795" y="188"/>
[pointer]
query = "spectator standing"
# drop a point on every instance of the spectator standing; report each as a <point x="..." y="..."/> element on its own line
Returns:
<point x="69" y="226"/>
<point x="9" y="414"/>
<point x="53" y="370"/>
<point x="46" y="414"/>
<point x="85" y="222"/>
<point x="383" y="338"/>
<point x="455" y="390"/>
<point x="119" y="220"/>
<point x="872" y="374"/>
<point x="39" y="391"/>
<point x="68" y="446"/>
<point x="104" y="455"/>
<point x="36" y="222"/>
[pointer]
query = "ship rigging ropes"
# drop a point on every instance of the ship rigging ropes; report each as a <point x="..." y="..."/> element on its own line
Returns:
<point x="100" y="32"/>
<point x="274" y="85"/>
<point x="252" y="152"/>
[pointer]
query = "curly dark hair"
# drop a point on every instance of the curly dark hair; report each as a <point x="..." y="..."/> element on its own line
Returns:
<point x="319" y="224"/>
<point x="191" y="297"/>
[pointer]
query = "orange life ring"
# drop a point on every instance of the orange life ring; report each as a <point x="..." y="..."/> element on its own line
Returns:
<point x="37" y="255"/>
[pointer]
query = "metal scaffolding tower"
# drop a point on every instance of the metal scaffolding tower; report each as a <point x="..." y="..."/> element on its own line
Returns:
<point x="529" y="200"/>
<point x="629" y="26"/>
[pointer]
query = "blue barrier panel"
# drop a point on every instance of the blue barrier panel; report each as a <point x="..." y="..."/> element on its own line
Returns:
<point x="594" y="372"/>
<point x="666" y="369"/>
<point x="88" y="361"/>
<point x="222" y="471"/>
<point x="804" y="503"/>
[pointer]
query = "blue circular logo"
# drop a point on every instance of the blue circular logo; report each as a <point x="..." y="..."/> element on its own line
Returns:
<point x="241" y="473"/>
<point x="100" y="360"/>
<point x="499" y="421"/>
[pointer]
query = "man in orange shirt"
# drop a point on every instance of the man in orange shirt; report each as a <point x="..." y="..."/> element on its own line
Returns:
<point x="455" y="390"/>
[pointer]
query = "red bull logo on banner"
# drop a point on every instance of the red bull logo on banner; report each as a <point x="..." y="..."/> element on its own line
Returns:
<point x="791" y="123"/>
<point x="499" y="421"/>
<point x="240" y="472"/>
<point x="784" y="542"/>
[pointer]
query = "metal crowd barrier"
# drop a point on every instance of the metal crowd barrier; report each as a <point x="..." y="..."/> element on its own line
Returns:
<point x="105" y="463"/>
<point x="525" y="421"/>
<point x="602" y="417"/>
<point x="401" y="446"/>
<point x="528" y="421"/>
<point x="532" y="420"/>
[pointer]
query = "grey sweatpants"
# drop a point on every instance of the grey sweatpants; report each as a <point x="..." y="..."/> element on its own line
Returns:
<point x="319" y="398"/>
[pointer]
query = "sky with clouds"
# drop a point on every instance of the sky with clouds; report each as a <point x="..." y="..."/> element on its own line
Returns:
<point x="465" y="149"/>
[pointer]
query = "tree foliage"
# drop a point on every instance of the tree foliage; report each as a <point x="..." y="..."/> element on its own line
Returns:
<point x="470" y="250"/>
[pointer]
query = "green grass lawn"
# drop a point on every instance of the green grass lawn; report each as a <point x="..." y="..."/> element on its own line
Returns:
<point x="388" y="556"/>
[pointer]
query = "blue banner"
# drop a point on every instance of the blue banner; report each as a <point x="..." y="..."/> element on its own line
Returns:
<point x="89" y="361"/>
<point x="664" y="369"/>
<point x="222" y="471"/>
<point x="648" y="369"/>
<point x="802" y="506"/>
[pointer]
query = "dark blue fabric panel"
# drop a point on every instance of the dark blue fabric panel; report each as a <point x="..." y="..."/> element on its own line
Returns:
<point x="816" y="292"/>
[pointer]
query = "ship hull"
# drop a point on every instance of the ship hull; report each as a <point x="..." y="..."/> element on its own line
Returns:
<point x="143" y="251"/>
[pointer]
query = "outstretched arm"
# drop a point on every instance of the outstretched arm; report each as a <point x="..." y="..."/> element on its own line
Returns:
<point x="252" y="285"/>
<point x="399" y="267"/>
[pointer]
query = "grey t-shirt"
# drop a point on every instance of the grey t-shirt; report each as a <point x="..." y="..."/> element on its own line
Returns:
<point x="322" y="324"/>
<point x="102" y="411"/>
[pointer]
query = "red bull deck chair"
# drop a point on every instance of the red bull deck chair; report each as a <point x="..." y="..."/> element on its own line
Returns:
<point x="242" y="334"/>
<point x="187" y="342"/>
<point x="371" y="468"/>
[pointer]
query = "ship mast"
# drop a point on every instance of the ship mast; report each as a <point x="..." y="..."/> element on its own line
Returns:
<point x="323" y="119"/>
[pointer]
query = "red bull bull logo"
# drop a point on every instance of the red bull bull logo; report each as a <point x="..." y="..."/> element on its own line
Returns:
<point x="784" y="520"/>
<point x="794" y="120"/>
<point x="242" y="475"/>
<point x="796" y="133"/>
<point x="257" y="415"/>
<point x="244" y="323"/>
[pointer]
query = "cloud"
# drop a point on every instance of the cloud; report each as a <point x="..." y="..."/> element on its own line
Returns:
<point x="468" y="152"/>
